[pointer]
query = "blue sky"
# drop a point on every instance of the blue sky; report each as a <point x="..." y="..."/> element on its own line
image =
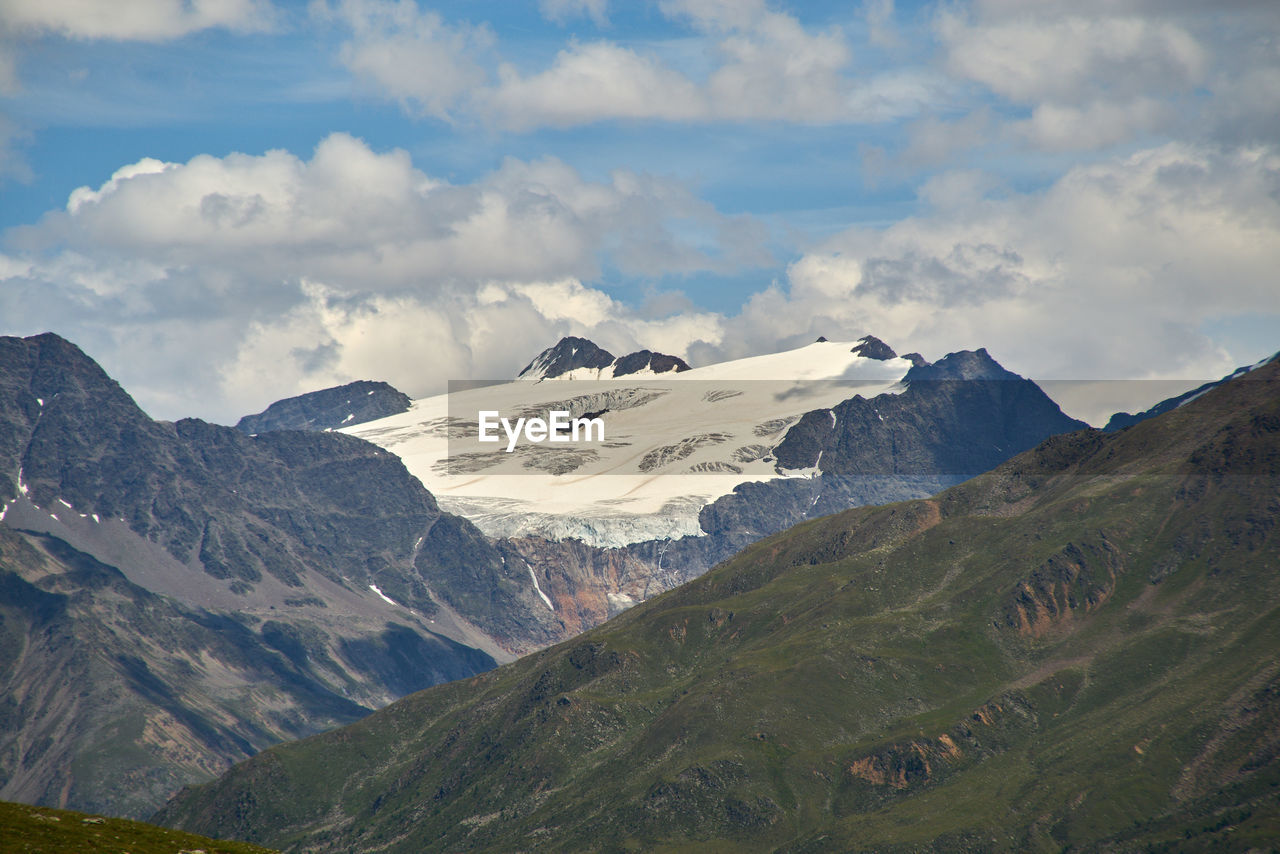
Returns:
<point x="308" y="193"/>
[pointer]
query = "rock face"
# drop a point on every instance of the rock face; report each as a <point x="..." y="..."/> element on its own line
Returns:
<point x="871" y="347"/>
<point x="1075" y="651"/>
<point x="959" y="417"/>
<point x="572" y="354"/>
<point x="647" y="360"/>
<point x="328" y="409"/>
<point x="569" y="353"/>
<point x="180" y="595"/>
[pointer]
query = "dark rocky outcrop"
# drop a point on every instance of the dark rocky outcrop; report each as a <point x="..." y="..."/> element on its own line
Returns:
<point x="568" y="354"/>
<point x="571" y="353"/>
<point x="659" y="363"/>
<point x="329" y="409"/>
<point x="956" y="418"/>
<point x="871" y="347"/>
<point x="960" y="416"/>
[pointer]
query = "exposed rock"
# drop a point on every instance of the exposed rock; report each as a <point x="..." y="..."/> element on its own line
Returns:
<point x="329" y="409"/>
<point x="659" y="363"/>
<point x="568" y="354"/>
<point x="871" y="347"/>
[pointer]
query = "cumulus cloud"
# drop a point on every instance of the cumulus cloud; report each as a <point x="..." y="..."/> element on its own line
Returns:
<point x="247" y="278"/>
<point x="764" y="64"/>
<point x="144" y="20"/>
<point x="1098" y="74"/>
<point x="412" y="56"/>
<point x="215" y="286"/>
<point x="592" y="81"/>
<point x="1111" y="272"/>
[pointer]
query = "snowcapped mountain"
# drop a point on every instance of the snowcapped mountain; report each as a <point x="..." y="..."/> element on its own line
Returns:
<point x="674" y="440"/>
<point x="579" y="359"/>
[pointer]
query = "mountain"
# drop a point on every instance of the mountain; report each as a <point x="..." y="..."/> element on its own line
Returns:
<point x="743" y="453"/>
<point x="871" y="347"/>
<point x="328" y="409"/>
<point x="599" y="532"/>
<point x="578" y="358"/>
<point x="39" y="829"/>
<point x="177" y="596"/>
<point x="962" y="415"/>
<point x="1075" y="651"/>
<point x="1125" y="419"/>
<point x="705" y="430"/>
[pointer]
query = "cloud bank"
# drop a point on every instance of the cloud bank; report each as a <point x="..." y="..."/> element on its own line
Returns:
<point x="224" y="283"/>
<point x="216" y="286"/>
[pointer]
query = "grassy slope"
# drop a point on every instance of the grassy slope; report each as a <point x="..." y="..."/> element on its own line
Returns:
<point x="40" y="830"/>
<point x="1079" y="649"/>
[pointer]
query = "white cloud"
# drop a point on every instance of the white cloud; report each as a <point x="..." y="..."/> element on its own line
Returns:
<point x="1100" y="74"/>
<point x="247" y="278"/>
<point x="1072" y="59"/>
<point x="881" y="30"/>
<point x="589" y="82"/>
<point x="144" y="20"/>
<point x="764" y="64"/>
<point x="562" y="10"/>
<point x="1110" y="272"/>
<point x="410" y="55"/>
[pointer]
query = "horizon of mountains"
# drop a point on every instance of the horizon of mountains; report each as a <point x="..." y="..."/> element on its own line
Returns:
<point x="1077" y="650"/>
<point x="217" y="592"/>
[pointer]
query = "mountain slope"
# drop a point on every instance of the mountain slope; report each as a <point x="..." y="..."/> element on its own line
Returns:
<point x="176" y="597"/>
<point x="48" y="831"/>
<point x="328" y="409"/>
<point x="1077" y="650"/>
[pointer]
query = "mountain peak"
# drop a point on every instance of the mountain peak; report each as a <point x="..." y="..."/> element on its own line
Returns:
<point x="658" y="363"/>
<point x="962" y="365"/>
<point x="572" y="353"/>
<point x="568" y="354"/>
<point x="871" y="347"/>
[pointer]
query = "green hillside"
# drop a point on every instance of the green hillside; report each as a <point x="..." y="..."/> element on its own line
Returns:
<point x="40" y="830"/>
<point x="1079" y="650"/>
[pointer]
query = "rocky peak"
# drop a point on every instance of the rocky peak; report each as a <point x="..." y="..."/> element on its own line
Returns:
<point x="962" y="365"/>
<point x="569" y="354"/>
<point x="871" y="347"/>
<point x="330" y="408"/>
<point x="659" y="363"/>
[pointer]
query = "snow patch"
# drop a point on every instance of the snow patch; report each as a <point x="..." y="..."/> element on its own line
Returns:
<point x="385" y="597"/>
<point x="536" y="586"/>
